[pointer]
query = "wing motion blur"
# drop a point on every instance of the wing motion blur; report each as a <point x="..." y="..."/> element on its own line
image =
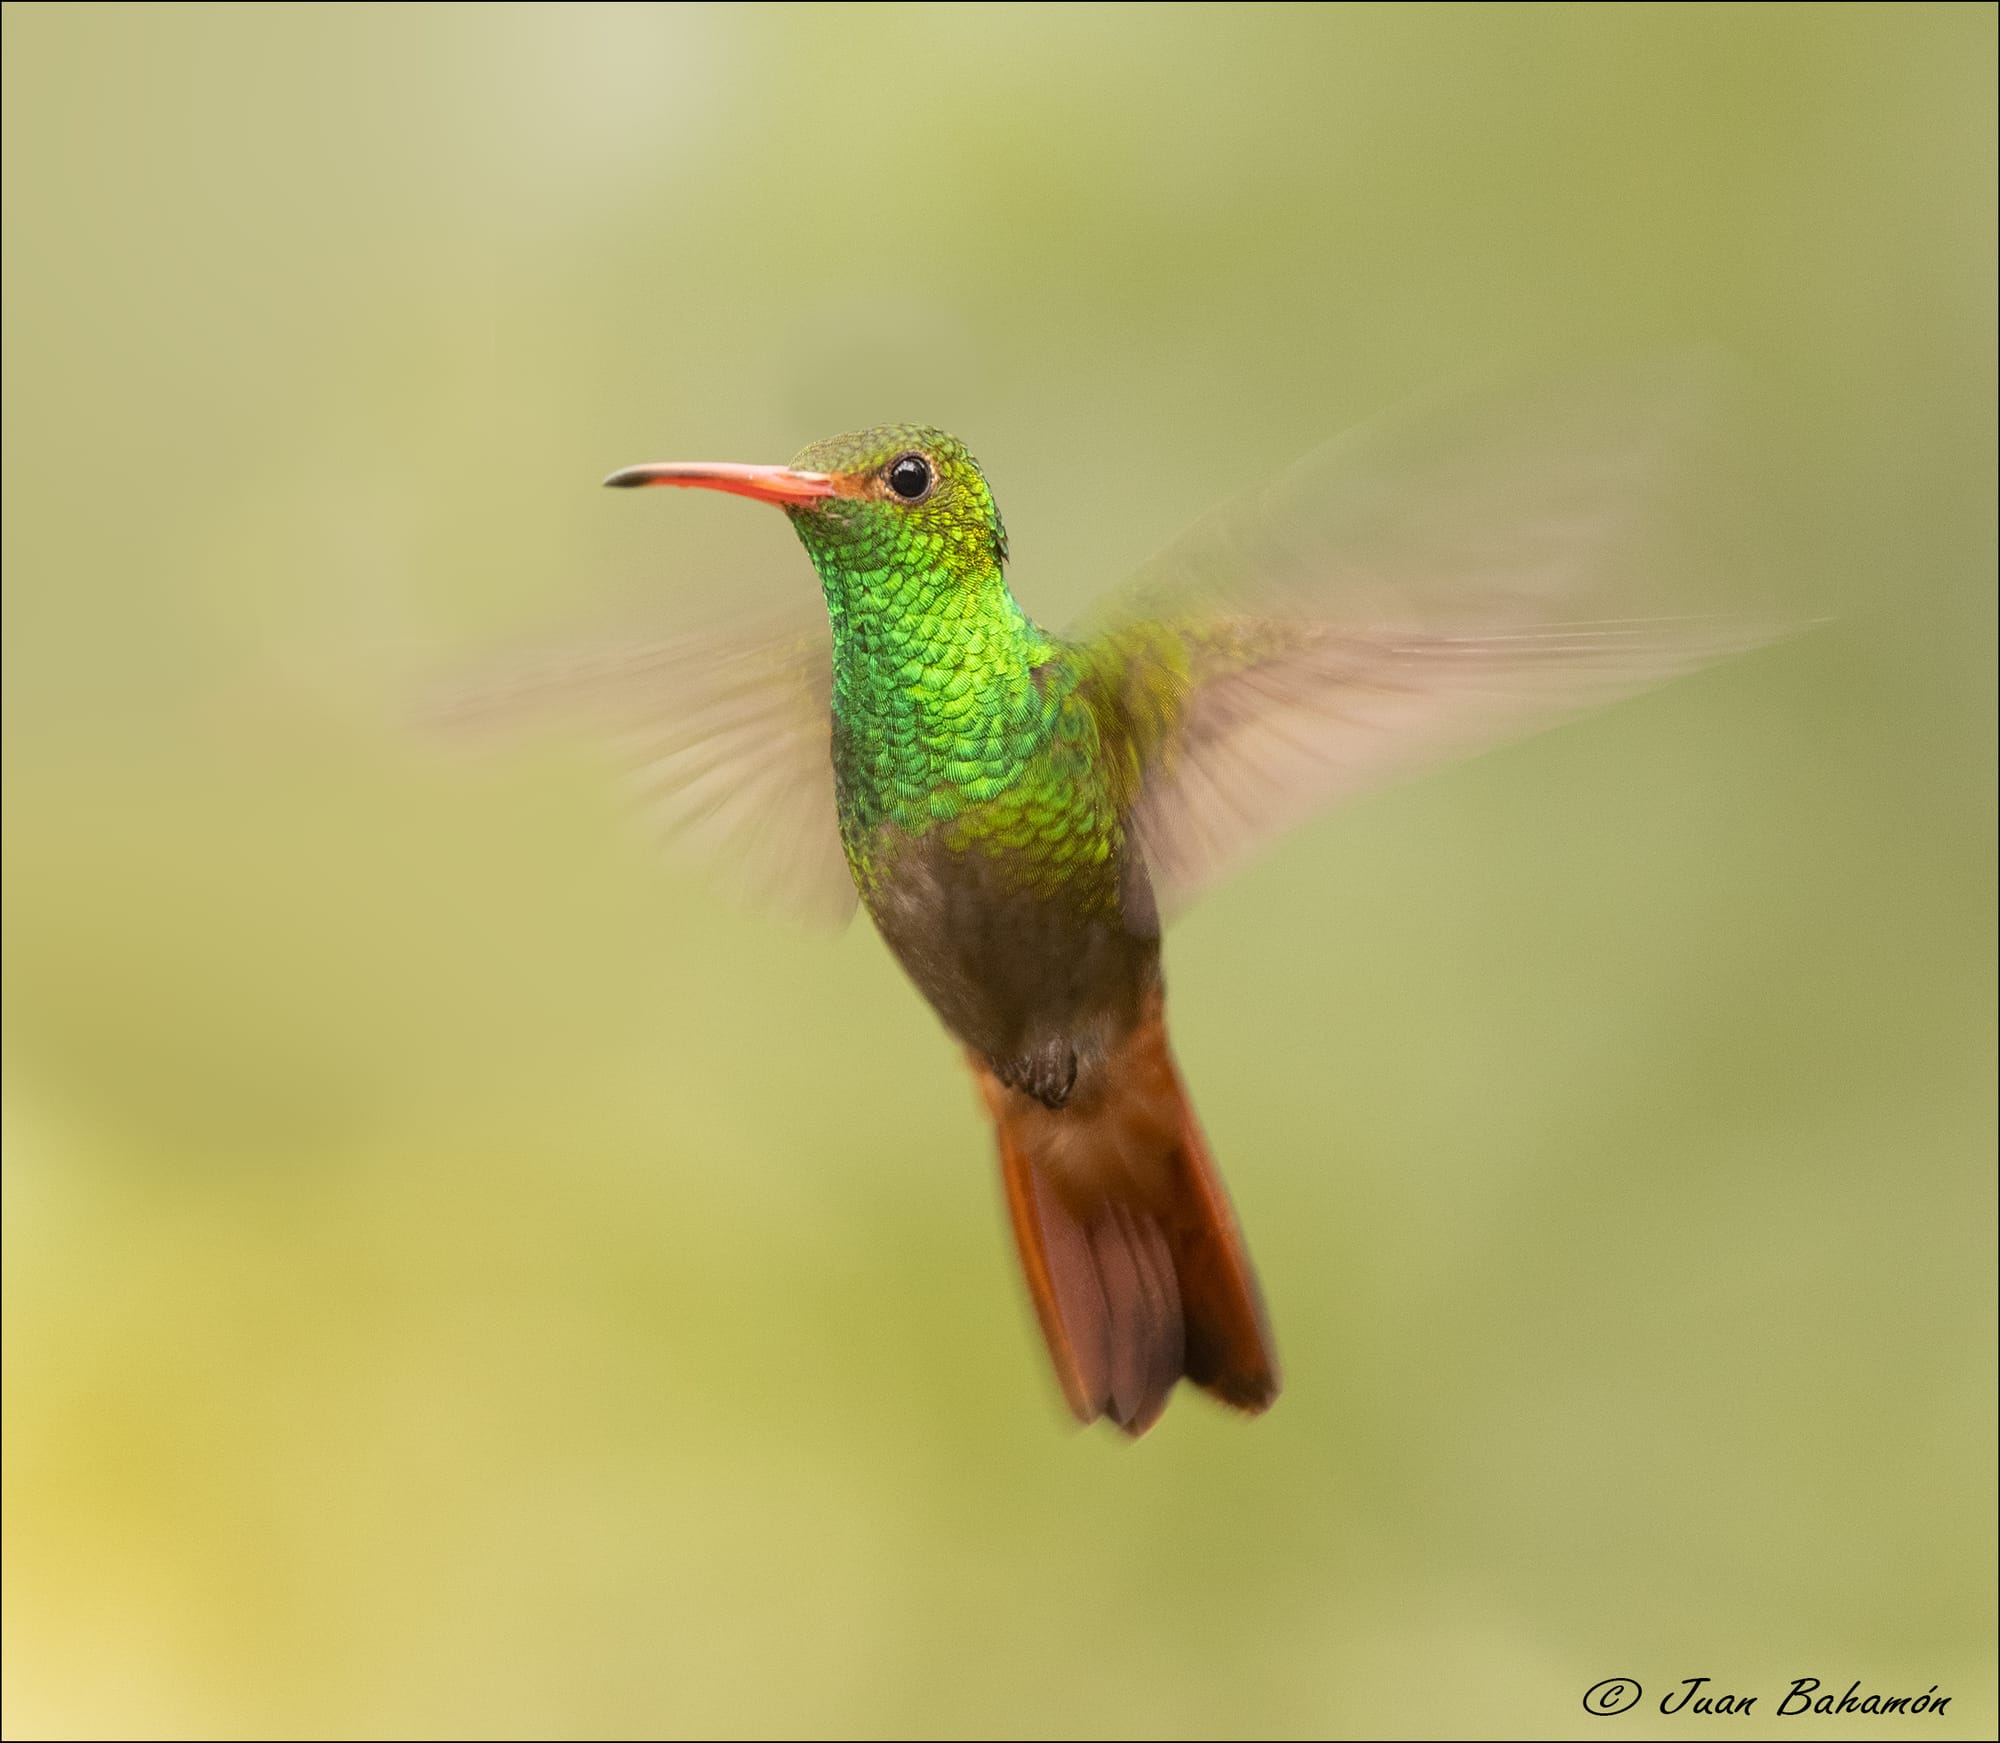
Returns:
<point x="1469" y="569"/>
<point x="1472" y="567"/>
<point x="724" y="736"/>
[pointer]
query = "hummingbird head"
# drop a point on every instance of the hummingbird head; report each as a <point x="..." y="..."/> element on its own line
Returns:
<point x="897" y="497"/>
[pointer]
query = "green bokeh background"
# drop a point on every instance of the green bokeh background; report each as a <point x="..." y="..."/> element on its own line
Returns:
<point x="463" y="1277"/>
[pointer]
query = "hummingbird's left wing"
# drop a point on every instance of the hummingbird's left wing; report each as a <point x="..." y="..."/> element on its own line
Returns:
<point x="1259" y="723"/>
<point x="725" y="738"/>
<point x="1475" y="567"/>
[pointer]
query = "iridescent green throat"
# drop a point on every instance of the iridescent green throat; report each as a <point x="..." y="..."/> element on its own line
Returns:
<point x="937" y="708"/>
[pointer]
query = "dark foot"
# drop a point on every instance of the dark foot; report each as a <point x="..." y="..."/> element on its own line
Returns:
<point x="1048" y="1074"/>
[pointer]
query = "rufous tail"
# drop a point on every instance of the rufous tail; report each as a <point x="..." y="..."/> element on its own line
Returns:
<point x="1130" y="1248"/>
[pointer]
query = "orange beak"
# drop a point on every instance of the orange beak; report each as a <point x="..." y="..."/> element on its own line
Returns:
<point x="779" y="484"/>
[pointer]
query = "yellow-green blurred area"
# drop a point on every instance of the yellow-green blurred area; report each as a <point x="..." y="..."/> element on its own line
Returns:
<point x="464" y="1277"/>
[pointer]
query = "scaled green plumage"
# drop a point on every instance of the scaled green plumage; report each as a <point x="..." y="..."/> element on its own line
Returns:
<point x="954" y="713"/>
<point x="1016" y="809"/>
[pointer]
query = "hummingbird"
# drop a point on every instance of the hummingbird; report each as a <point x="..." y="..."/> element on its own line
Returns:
<point x="1017" y="810"/>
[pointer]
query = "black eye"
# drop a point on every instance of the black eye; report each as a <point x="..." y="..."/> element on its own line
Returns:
<point x="910" y="477"/>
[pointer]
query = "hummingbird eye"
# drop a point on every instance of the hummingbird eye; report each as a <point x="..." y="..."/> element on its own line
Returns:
<point x="909" y="476"/>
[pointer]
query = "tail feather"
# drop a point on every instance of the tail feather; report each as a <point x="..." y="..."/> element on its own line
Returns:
<point x="1129" y="1245"/>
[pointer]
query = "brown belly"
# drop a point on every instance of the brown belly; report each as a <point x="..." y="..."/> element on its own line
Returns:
<point x="1032" y="983"/>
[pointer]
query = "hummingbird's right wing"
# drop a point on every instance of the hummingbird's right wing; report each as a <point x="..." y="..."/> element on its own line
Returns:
<point x="725" y="738"/>
<point x="1472" y="568"/>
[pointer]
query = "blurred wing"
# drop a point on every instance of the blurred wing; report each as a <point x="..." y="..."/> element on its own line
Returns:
<point x="1260" y="744"/>
<point x="1470" y="569"/>
<point x="725" y="737"/>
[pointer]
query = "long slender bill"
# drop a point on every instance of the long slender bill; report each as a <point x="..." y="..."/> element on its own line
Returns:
<point x="779" y="484"/>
